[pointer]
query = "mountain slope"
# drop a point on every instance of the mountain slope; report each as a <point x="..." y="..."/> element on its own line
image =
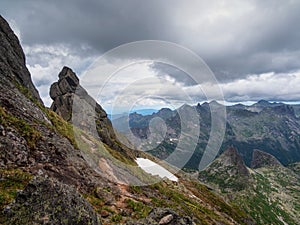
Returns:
<point x="53" y="175"/>
<point x="72" y="102"/>
<point x="269" y="193"/>
<point x="228" y="171"/>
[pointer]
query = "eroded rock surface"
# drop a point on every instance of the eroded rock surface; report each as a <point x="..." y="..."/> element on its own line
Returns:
<point x="46" y="201"/>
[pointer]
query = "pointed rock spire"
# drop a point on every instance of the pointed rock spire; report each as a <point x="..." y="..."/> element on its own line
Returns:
<point x="231" y="157"/>
<point x="228" y="171"/>
<point x="62" y="93"/>
<point x="72" y="102"/>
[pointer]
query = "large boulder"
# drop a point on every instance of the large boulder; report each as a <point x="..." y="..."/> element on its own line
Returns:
<point x="47" y="201"/>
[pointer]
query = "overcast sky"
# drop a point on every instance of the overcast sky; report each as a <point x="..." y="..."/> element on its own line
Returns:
<point x="252" y="46"/>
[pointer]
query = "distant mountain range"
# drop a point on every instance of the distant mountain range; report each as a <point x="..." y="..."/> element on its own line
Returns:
<point x="272" y="127"/>
<point x="143" y="112"/>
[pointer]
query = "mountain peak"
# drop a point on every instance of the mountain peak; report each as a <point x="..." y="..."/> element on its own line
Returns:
<point x="263" y="102"/>
<point x="285" y="109"/>
<point x="231" y="157"/>
<point x="214" y="102"/>
<point x="185" y="106"/>
<point x="263" y="159"/>
<point x="228" y="171"/>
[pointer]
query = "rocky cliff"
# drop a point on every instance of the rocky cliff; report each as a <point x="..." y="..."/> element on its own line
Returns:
<point x="12" y="60"/>
<point x="31" y="145"/>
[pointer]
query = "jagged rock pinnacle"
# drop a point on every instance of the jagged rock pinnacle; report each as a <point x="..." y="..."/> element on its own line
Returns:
<point x="228" y="171"/>
<point x="63" y="91"/>
<point x="232" y="157"/>
<point x="86" y="113"/>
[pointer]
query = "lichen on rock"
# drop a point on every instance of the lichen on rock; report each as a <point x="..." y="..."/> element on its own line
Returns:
<point x="47" y="201"/>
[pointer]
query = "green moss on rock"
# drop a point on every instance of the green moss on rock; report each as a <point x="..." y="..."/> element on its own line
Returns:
<point x="26" y="130"/>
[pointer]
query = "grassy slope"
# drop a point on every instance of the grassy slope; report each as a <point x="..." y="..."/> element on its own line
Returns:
<point x="271" y="195"/>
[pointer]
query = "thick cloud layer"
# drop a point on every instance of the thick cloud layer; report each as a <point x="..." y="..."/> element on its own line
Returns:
<point x="237" y="39"/>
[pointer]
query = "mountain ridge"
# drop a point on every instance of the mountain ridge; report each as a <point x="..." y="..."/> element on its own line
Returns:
<point x="274" y="128"/>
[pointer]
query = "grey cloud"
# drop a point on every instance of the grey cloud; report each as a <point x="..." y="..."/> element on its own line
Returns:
<point x="180" y="76"/>
<point x="100" y="24"/>
<point x="260" y="37"/>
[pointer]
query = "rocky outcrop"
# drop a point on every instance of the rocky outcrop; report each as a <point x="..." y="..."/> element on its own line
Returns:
<point x="12" y="60"/>
<point x="228" y="171"/>
<point x="163" y="216"/>
<point x="48" y="201"/>
<point x="62" y="92"/>
<point x="232" y="158"/>
<point x="263" y="159"/>
<point x="74" y="104"/>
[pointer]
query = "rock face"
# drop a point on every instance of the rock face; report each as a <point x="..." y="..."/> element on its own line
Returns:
<point x="49" y="202"/>
<point x="62" y="92"/>
<point x="267" y="193"/>
<point x="74" y="104"/>
<point x="263" y="159"/>
<point x="29" y="138"/>
<point x="12" y="59"/>
<point x="164" y="216"/>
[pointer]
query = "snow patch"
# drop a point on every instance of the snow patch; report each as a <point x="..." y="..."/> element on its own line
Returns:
<point x="155" y="169"/>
